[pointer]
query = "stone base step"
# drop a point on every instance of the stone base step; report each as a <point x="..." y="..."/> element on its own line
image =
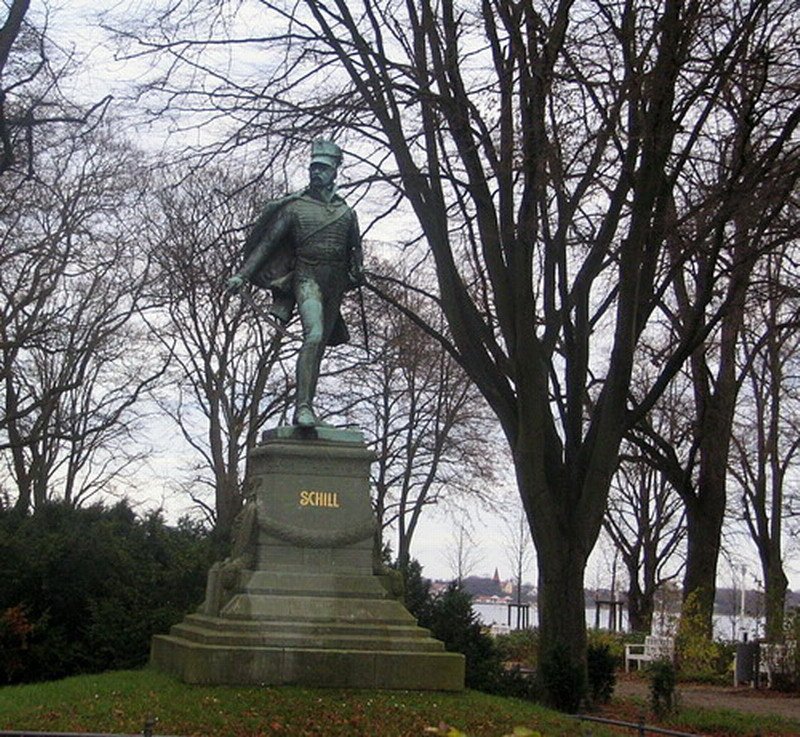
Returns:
<point x="268" y="637"/>
<point x="357" y="610"/>
<point x="312" y="629"/>
<point x="217" y="664"/>
<point x="285" y="583"/>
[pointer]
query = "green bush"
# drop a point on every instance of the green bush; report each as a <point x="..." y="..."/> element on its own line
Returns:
<point x="15" y="632"/>
<point x="601" y="666"/>
<point x="452" y="620"/>
<point x="563" y="682"/>
<point x="663" y="698"/>
<point x="417" y="591"/>
<point x="519" y="646"/>
<point x="95" y="584"/>
<point x="699" y="657"/>
<point x="614" y="641"/>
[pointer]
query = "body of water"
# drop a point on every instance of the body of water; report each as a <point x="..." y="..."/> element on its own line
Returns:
<point x="726" y="627"/>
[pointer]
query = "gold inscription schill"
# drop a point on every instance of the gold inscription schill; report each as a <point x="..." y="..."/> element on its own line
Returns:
<point x="329" y="499"/>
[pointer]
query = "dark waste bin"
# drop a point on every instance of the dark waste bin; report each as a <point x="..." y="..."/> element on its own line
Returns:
<point x="746" y="663"/>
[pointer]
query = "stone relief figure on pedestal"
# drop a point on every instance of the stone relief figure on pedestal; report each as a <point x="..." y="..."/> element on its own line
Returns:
<point x="306" y="249"/>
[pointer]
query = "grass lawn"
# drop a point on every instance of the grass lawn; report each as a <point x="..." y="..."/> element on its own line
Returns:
<point x="724" y="721"/>
<point x="120" y="701"/>
<point x="714" y="722"/>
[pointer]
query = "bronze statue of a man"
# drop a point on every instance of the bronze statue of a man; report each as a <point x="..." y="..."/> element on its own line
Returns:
<point x="306" y="249"/>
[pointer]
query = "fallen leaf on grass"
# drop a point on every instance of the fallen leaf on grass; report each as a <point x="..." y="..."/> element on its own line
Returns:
<point x="445" y="730"/>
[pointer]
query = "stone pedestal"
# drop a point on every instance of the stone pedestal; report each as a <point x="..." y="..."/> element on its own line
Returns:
<point x="298" y="601"/>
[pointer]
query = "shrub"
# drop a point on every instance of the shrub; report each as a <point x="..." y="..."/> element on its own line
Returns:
<point x="601" y="666"/>
<point x="95" y="583"/>
<point x="417" y="591"/>
<point x="663" y="698"/>
<point x="519" y="646"/>
<point x="15" y="630"/>
<point x="614" y="641"/>
<point x="452" y="620"/>
<point x="563" y="682"/>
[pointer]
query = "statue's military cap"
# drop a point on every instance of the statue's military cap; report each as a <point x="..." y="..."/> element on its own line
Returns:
<point x="326" y="152"/>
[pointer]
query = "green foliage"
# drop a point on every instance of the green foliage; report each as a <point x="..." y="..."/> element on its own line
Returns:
<point x="563" y="681"/>
<point x="453" y="621"/>
<point x="699" y="656"/>
<point x="95" y="584"/>
<point x="614" y="641"/>
<point x="417" y="591"/>
<point x="663" y="698"/>
<point x="519" y="646"/>
<point x="15" y="630"/>
<point x="450" y="618"/>
<point x="601" y="668"/>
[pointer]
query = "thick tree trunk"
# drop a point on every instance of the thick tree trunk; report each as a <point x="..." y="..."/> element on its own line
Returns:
<point x="704" y="518"/>
<point x="228" y="504"/>
<point x="563" y="535"/>
<point x="562" y="609"/>
<point x="640" y="605"/>
<point x="775" y="586"/>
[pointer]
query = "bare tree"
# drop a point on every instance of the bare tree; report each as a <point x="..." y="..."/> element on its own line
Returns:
<point x="565" y="164"/>
<point x="226" y="370"/>
<point x="645" y="521"/>
<point x="463" y="554"/>
<point x="433" y="435"/>
<point x="74" y="285"/>
<point x="519" y="552"/>
<point x="33" y="104"/>
<point x="766" y="437"/>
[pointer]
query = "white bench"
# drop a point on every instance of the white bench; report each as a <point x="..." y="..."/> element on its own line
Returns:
<point x="654" y="647"/>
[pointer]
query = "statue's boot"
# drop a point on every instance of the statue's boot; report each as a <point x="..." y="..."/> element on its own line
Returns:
<point x="307" y="375"/>
<point x="304" y="416"/>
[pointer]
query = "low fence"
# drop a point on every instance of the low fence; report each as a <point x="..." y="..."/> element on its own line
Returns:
<point x="640" y="727"/>
<point x="147" y="731"/>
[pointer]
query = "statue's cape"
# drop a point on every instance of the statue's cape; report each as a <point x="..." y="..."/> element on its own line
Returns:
<point x="278" y="271"/>
<point x="275" y="274"/>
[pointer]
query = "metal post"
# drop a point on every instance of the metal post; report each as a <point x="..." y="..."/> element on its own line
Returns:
<point x="149" y="724"/>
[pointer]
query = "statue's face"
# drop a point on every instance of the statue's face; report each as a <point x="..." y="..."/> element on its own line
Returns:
<point x="321" y="175"/>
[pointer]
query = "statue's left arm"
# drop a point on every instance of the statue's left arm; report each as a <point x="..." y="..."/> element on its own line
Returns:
<point x="266" y="241"/>
<point x="356" y="254"/>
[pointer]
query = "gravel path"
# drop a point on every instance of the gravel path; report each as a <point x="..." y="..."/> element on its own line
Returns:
<point x="715" y="697"/>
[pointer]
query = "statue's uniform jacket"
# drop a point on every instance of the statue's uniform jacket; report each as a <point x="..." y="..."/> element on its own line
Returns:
<point x="301" y="243"/>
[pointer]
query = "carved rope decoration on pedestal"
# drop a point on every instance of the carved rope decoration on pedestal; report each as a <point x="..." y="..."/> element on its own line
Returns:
<point x="306" y="538"/>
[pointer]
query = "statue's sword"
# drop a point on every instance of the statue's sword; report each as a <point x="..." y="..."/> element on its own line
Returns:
<point x="363" y="312"/>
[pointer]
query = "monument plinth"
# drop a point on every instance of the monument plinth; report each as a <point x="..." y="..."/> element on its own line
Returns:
<point x="298" y="601"/>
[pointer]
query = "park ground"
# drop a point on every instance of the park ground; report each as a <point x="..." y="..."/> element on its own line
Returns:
<point x="121" y="701"/>
<point x="742" y="698"/>
<point x="711" y="710"/>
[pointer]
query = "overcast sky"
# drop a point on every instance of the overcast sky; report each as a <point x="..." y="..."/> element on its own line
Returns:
<point x="74" y="25"/>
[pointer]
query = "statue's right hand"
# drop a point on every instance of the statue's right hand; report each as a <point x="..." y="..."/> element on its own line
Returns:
<point x="235" y="283"/>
